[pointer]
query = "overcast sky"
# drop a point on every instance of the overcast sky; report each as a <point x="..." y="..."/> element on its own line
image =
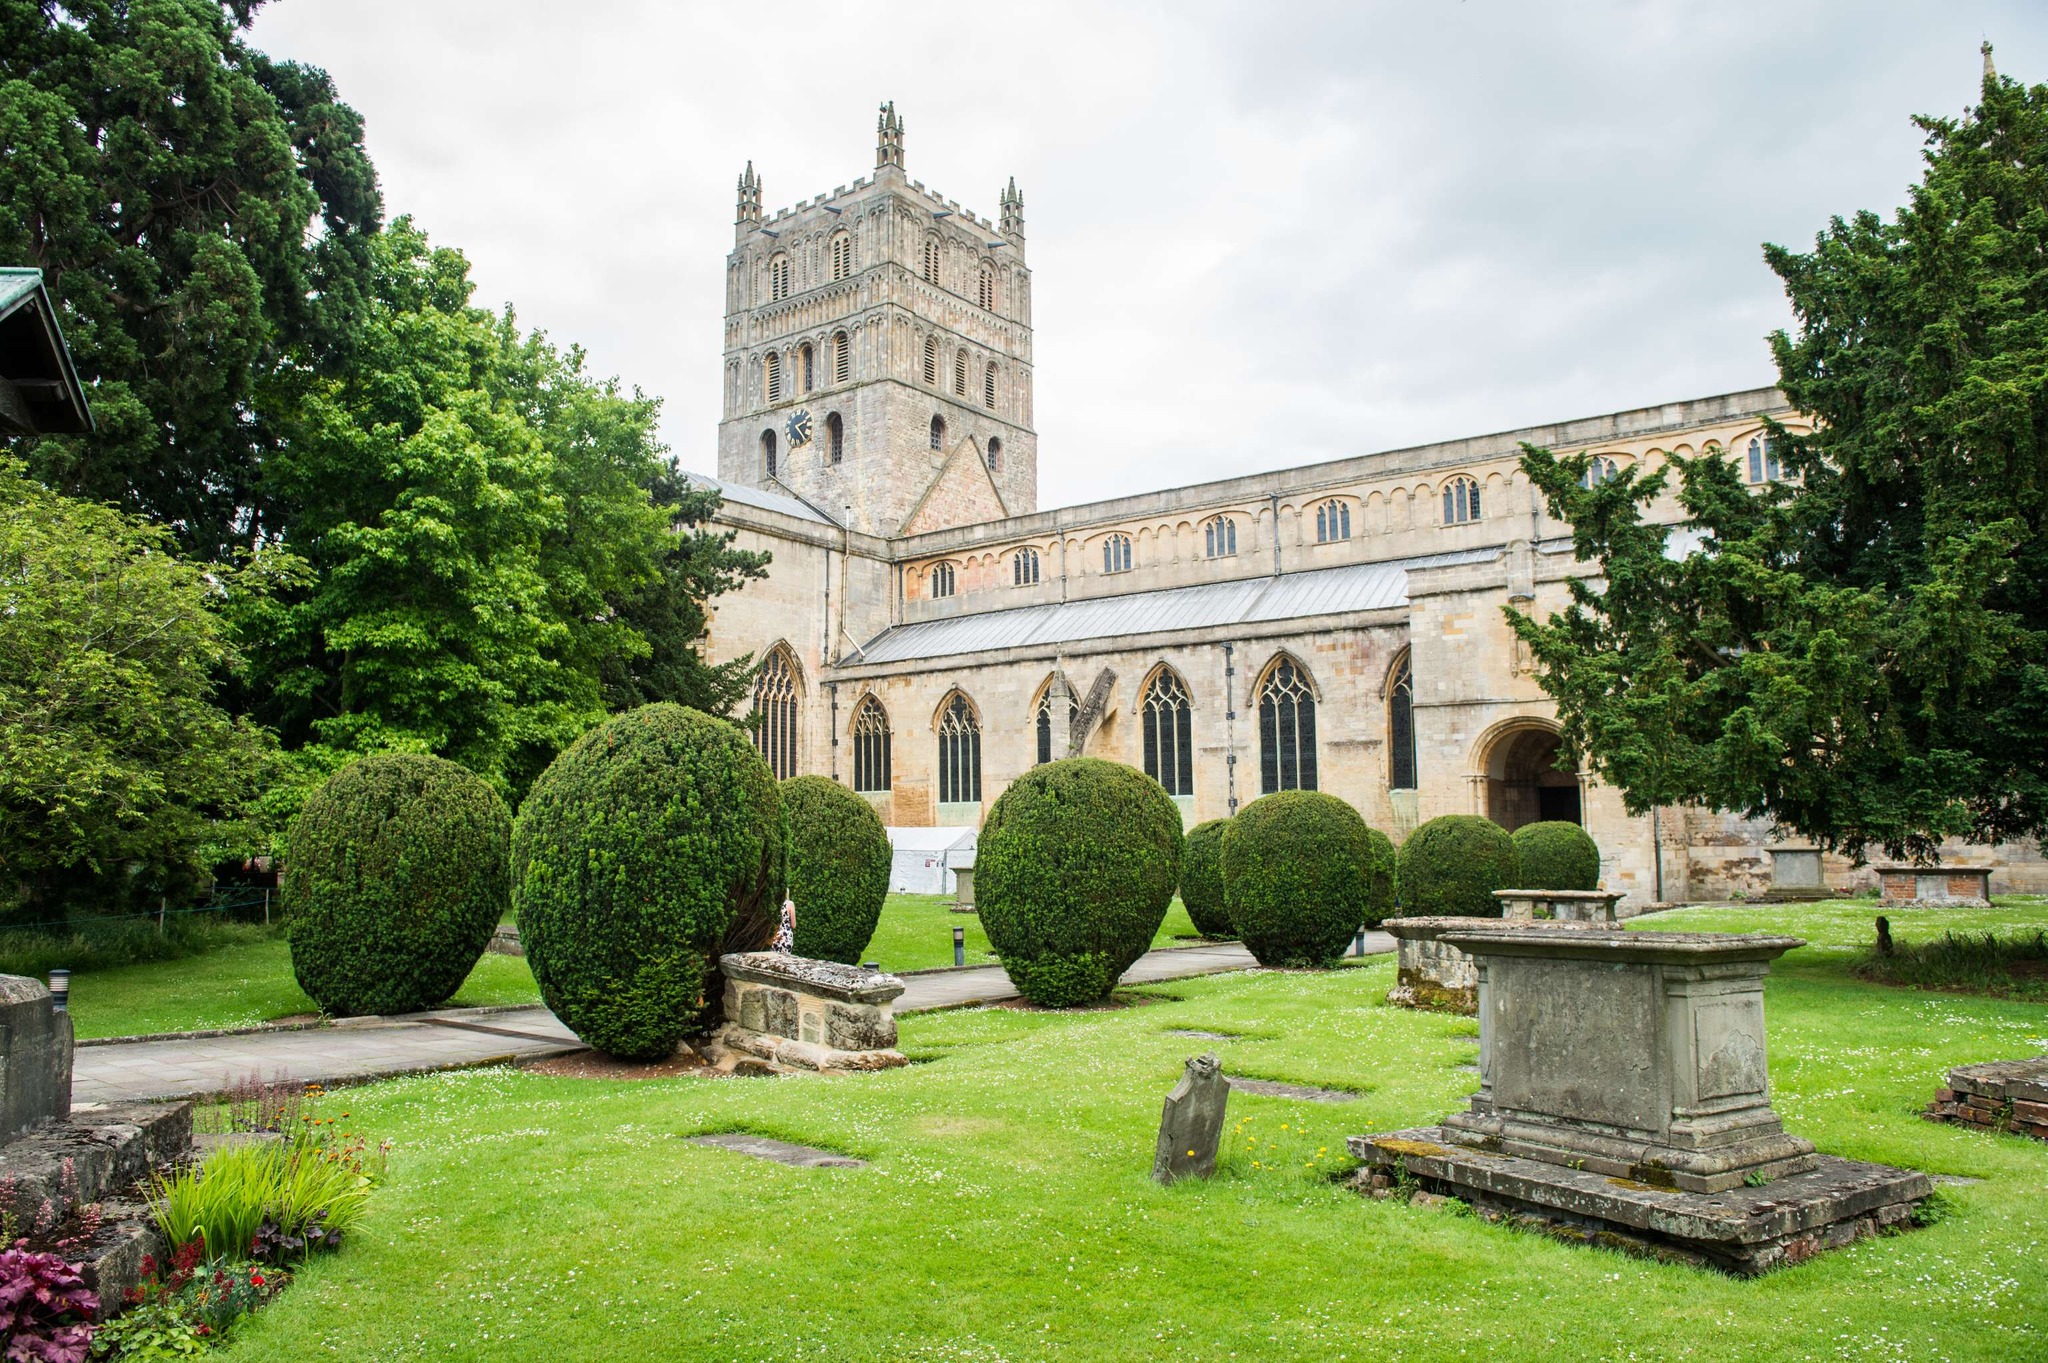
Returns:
<point x="1261" y="234"/>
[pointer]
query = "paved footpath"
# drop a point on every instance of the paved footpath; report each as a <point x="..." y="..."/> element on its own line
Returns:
<point x="459" y="1038"/>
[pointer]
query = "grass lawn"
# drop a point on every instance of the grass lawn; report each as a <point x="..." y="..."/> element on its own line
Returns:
<point x="1007" y="1213"/>
<point x="916" y="933"/>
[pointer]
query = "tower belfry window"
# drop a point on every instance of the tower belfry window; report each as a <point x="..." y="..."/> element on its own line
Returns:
<point x="931" y="260"/>
<point x="995" y="454"/>
<point x="842" y="358"/>
<point x="835" y="437"/>
<point x="987" y="296"/>
<point x="772" y="369"/>
<point x="842" y="256"/>
<point x="960" y="373"/>
<point x="938" y="433"/>
<point x="931" y="361"/>
<point x="778" y="278"/>
<point x="988" y="386"/>
<point x="768" y="452"/>
<point x="808" y="364"/>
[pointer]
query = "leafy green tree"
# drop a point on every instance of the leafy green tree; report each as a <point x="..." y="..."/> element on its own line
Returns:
<point x="120" y="778"/>
<point x="201" y="214"/>
<point x="1860" y="653"/>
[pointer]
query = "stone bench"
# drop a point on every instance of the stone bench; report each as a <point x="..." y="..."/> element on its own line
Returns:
<point x="1942" y="887"/>
<point x="801" y="1014"/>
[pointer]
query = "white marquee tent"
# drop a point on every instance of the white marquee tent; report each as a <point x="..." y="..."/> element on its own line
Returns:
<point x="925" y="858"/>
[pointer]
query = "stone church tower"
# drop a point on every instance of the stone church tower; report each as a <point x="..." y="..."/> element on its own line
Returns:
<point x="878" y="353"/>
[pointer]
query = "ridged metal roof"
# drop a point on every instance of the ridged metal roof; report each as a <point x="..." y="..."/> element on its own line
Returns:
<point x="766" y="501"/>
<point x="1322" y="591"/>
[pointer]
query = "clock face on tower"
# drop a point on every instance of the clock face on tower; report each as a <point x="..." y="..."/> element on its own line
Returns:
<point x="799" y="428"/>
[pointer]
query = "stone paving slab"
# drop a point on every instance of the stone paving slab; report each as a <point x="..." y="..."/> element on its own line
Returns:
<point x="782" y="1152"/>
<point x="375" y="1048"/>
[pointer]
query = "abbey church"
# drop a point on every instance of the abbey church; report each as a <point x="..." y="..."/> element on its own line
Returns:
<point x="926" y="633"/>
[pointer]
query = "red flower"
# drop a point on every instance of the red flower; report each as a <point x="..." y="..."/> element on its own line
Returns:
<point x="256" y="1279"/>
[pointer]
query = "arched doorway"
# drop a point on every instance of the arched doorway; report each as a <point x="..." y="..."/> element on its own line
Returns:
<point x="1524" y="782"/>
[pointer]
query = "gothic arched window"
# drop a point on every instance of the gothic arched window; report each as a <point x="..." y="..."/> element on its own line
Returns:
<point x="1461" y="501"/>
<point x="1763" y="461"/>
<point x="1287" y="730"/>
<point x="807" y="369"/>
<point x="772" y="367"/>
<point x="1401" y="726"/>
<point x="1333" y="522"/>
<point x="931" y="260"/>
<point x="835" y="437"/>
<point x="1116" y="554"/>
<point x="987" y="295"/>
<point x="768" y="452"/>
<point x="938" y="432"/>
<point x="775" y="710"/>
<point x="1024" y="568"/>
<point x="942" y="580"/>
<point x="1169" y="733"/>
<point x="842" y="256"/>
<point x="931" y="361"/>
<point x="871" y="747"/>
<point x="1598" y="471"/>
<point x="842" y="358"/>
<point x="1043" y="718"/>
<point x="959" y="753"/>
<point x="995" y="454"/>
<point x="778" y="278"/>
<point x="1219" y="538"/>
<point x="960" y="373"/>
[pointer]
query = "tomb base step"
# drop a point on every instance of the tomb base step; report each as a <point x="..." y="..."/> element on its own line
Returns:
<point x="1744" y="1231"/>
<point x="792" y="1057"/>
<point x="94" y="1152"/>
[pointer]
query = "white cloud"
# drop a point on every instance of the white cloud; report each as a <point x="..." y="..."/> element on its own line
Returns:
<point x="1261" y="234"/>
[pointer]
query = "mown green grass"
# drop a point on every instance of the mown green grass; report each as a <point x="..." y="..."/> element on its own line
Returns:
<point x="1007" y="1213"/>
<point x="916" y="933"/>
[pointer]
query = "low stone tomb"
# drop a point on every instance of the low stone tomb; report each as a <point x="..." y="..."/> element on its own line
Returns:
<point x="1590" y="907"/>
<point x="2001" y="1095"/>
<point x="1429" y="972"/>
<point x="1934" y="887"/>
<point x="963" y="888"/>
<point x="1624" y="1096"/>
<point x="801" y="1014"/>
<point x="1191" y="1124"/>
<point x="1796" y="875"/>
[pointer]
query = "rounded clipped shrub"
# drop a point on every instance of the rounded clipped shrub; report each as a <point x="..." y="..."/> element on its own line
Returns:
<point x="1382" y="900"/>
<point x="398" y="875"/>
<point x="839" y="860"/>
<point x="1557" y="856"/>
<point x="1451" y="866"/>
<point x="1201" y="878"/>
<point x="634" y="857"/>
<point x="1296" y="876"/>
<point x="1076" y="864"/>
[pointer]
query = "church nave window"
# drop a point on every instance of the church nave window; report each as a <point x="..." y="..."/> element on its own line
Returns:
<point x="942" y="580"/>
<point x="1333" y="522"/>
<point x="1116" y="554"/>
<point x="1401" y="726"/>
<point x="1024" y="568"/>
<point x="1461" y="501"/>
<point x="1169" y="733"/>
<point x="871" y="747"/>
<point x="1219" y="538"/>
<point x="775" y="706"/>
<point x="959" y="753"/>
<point x="1287" y="730"/>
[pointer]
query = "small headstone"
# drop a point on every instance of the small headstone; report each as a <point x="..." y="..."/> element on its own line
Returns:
<point x="1192" y="1123"/>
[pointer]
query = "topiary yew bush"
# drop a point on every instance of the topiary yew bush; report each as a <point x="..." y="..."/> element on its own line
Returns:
<point x="1201" y="878"/>
<point x="397" y="876"/>
<point x="1296" y="876"/>
<point x="839" y="860"/>
<point x="1382" y="895"/>
<point x="1076" y="864"/>
<point x="1557" y="856"/>
<point x="633" y="859"/>
<point x="1451" y="866"/>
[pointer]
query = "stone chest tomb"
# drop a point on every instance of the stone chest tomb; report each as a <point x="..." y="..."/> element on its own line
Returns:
<point x="798" y="1013"/>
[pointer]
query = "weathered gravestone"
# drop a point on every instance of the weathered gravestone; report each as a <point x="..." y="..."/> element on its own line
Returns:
<point x="1191" y="1126"/>
<point x="1624" y="1096"/>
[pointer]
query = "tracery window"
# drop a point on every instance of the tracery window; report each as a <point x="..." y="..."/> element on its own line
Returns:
<point x="1598" y="471"/>
<point x="987" y="295"/>
<point x="772" y="367"/>
<point x="1169" y="733"/>
<point x="959" y="753"/>
<point x="1461" y="501"/>
<point x="931" y="260"/>
<point x="835" y="437"/>
<point x="960" y="373"/>
<point x="1043" y="718"/>
<point x="842" y="358"/>
<point x="1287" y="730"/>
<point x="1333" y="522"/>
<point x="775" y="710"/>
<point x="942" y="580"/>
<point x="995" y="454"/>
<point x="938" y="432"/>
<point x="768" y="452"/>
<point x="871" y="747"/>
<point x="1219" y="538"/>
<point x="1024" y="568"/>
<point x="931" y="361"/>
<point x="1763" y="461"/>
<point x="842" y="256"/>
<point x="1116" y="554"/>
<point x="778" y="278"/>
<point x="1401" y="726"/>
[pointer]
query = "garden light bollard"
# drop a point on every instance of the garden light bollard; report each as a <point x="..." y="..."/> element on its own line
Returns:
<point x="871" y="965"/>
<point x="1358" y="941"/>
<point x="60" y="990"/>
<point x="959" y="946"/>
